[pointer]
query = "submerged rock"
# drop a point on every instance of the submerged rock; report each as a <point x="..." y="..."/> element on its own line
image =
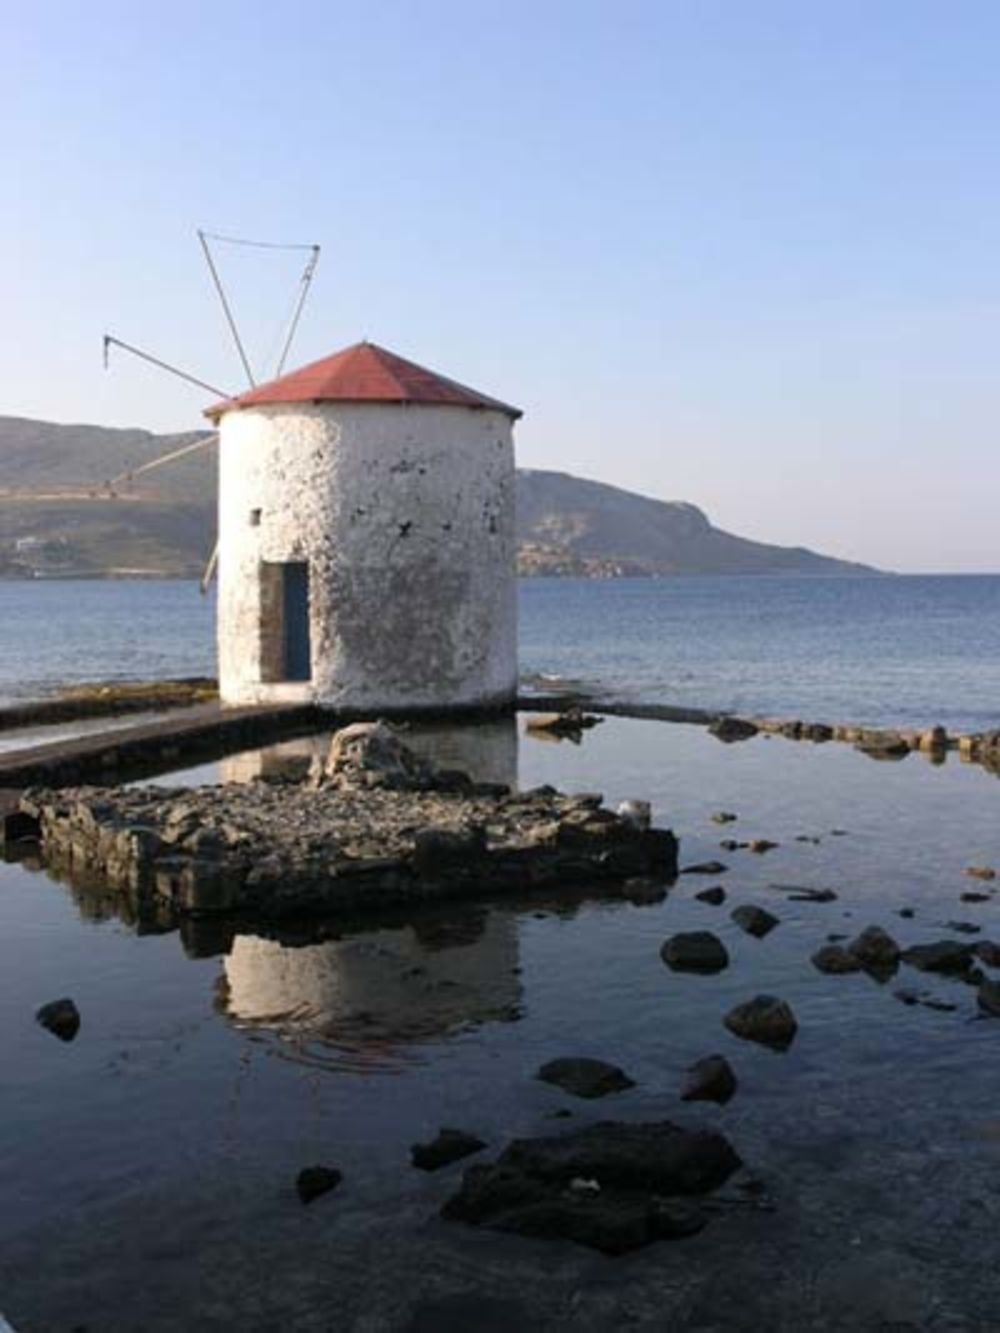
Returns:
<point x="988" y="952"/>
<point x="875" y="948"/>
<point x="730" y="729"/>
<point x="705" y="868"/>
<point x="61" y="1018"/>
<point x="710" y="1080"/>
<point x="715" y="896"/>
<point x="723" y="817"/>
<point x="313" y="1181"/>
<point x="835" y="959"/>
<point x="756" y="921"/>
<point x="764" y="1019"/>
<point x="451" y="1145"/>
<point x="761" y="845"/>
<point x="602" y="1186"/>
<point x="568" y="724"/>
<point x="694" y="951"/>
<point x="951" y="957"/>
<point x="981" y="872"/>
<point x="585" y="1077"/>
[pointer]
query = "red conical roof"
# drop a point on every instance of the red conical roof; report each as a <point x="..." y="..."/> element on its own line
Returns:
<point x="364" y="373"/>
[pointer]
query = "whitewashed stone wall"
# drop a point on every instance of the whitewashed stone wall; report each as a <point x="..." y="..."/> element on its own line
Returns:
<point x="405" y="515"/>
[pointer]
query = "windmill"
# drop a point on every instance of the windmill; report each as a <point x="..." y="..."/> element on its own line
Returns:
<point x="287" y="331"/>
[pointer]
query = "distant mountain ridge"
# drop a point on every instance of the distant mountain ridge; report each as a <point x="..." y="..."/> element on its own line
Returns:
<point x="59" y="517"/>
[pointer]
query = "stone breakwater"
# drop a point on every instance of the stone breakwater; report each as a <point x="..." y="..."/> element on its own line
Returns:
<point x="275" y="851"/>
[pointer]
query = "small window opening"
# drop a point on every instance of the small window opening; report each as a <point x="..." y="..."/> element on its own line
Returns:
<point x="255" y="518"/>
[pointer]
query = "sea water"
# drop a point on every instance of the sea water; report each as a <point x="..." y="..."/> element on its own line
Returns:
<point x="906" y="650"/>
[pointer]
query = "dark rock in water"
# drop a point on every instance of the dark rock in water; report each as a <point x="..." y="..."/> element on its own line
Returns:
<point x="988" y="952"/>
<point x="705" y="868"/>
<point x="709" y="1080"/>
<point x="801" y="893"/>
<point x="988" y="998"/>
<point x="715" y="896"/>
<point x="642" y="891"/>
<point x="973" y="897"/>
<point x="981" y="872"/>
<point x="657" y="1155"/>
<point x="963" y="927"/>
<point x="584" y="1077"/>
<point x="875" y="948"/>
<point x="908" y="996"/>
<point x="568" y="724"/>
<point x="761" y="845"/>
<point x="18" y="826"/>
<point x="756" y="921"/>
<point x="883" y="745"/>
<point x="764" y="1019"/>
<point x="451" y="1145"/>
<point x="907" y="913"/>
<point x="948" y="956"/>
<point x="730" y="729"/>
<point x="723" y="817"/>
<point x="312" y="1181"/>
<point x="834" y="959"/>
<point x="817" y="731"/>
<point x="602" y="1186"/>
<point x="61" y="1017"/>
<point x="732" y="845"/>
<point x="694" y="951"/>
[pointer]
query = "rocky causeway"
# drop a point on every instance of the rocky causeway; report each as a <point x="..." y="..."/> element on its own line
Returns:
<point x="372" y="827"/>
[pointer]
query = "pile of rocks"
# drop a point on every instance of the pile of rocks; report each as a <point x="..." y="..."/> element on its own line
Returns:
<point x="374" y="826"/>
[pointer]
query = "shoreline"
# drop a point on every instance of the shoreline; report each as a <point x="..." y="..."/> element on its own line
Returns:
<point x="195" y="726"/>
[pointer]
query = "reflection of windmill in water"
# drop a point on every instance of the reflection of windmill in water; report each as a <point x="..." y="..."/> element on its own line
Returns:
<point x="365" y="1000"/>
<point x="288" y="329"/>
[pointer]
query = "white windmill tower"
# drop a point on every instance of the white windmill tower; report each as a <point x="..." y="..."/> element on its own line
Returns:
<point x="366" y="551"/>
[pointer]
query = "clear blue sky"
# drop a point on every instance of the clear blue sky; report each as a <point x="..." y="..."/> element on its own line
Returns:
<point x="745" y="254"/>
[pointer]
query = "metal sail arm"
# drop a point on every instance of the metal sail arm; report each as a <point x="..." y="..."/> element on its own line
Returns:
<point x="111" y="341"/>
<point x="224" y="300"/>
<point x="211" y="438"/>
<point x="307" y="277"/>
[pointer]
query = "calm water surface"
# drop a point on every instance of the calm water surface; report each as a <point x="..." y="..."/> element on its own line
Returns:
<point x="147" y="1166"/>
<point x="909" y="650"/>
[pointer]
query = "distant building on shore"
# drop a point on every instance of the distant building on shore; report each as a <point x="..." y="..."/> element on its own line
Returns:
<point x="366" y="539"/>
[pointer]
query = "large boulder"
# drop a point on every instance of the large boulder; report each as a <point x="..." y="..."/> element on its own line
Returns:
<point x="372" y="754"/>
<point x="608" y="1186"/>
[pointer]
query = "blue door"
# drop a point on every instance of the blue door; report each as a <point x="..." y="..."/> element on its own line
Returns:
<point x="295" y="606"/>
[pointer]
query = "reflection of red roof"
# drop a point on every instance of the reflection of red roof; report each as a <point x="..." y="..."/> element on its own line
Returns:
<point x="364" y="373"/>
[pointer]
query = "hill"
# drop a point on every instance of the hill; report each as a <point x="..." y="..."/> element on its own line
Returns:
<point x="63" y="514"/>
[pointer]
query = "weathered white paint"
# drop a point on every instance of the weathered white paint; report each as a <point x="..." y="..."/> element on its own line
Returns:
<point x="405" y="514"/>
